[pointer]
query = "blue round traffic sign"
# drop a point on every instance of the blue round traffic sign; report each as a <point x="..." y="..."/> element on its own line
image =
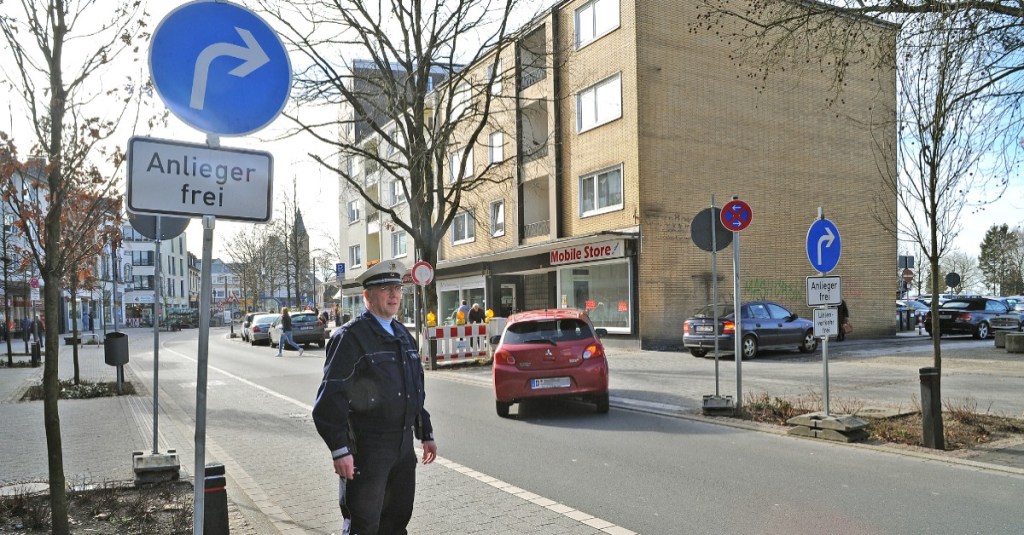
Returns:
<point x="220" y="68"/>
<point x="824" y="246"/>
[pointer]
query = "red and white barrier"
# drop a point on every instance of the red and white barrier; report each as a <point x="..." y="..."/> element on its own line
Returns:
<point x="457" y="343"/>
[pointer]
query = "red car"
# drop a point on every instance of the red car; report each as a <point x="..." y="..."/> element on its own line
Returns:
<point x="549" y="353"/>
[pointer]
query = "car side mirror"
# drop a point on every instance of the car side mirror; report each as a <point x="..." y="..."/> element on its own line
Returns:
<point x="601" y="331"/>
<point x="495" y="339"/>
<point x="793" y="317"/>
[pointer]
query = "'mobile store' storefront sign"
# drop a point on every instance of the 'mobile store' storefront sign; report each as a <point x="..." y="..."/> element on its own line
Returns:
<point x="592" y="252"/>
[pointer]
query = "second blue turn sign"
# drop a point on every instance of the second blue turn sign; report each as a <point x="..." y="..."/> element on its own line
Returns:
<point x="824" y="245"/>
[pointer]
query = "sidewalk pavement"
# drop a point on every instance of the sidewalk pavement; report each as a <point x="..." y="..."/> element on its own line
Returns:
<point x="99" y="436"/>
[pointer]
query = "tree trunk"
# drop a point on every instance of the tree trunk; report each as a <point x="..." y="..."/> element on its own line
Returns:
<point x="51" y="417"/>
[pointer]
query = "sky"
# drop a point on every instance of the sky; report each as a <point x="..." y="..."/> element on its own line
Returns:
<point x="317" y="189"/>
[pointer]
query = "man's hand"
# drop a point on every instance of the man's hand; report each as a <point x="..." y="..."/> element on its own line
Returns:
<point x="345" y="467"/>
<point x="429" y="451"/>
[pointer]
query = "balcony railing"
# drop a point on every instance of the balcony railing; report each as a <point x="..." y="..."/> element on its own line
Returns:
<point x="536" y="152"/>
<point x="537" y="228"/>
<point x="532" y="75"/>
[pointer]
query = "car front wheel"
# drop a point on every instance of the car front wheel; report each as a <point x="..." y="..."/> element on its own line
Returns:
<point x="981" y="332"/>
<point x="749" y="347"/>
<point x="502" y="408"/>
<point x="810" y="343"/>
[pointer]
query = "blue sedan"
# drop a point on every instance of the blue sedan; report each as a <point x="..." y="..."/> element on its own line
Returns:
<point x="765" y="324"/>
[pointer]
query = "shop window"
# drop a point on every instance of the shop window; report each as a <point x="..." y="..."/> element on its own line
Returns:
<point x="602" y="290"/>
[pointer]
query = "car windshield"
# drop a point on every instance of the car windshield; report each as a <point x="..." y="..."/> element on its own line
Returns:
<point x="265" y="320"/>
<point x="709" y="311"/>
<point x="547" y="331"/>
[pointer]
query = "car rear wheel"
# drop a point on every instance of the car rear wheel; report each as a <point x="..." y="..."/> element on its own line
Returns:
<point x="699" y="353"/>
<point x="502" y="408"/>
<point x="981" y="331"/>
<point x="810" y="343"/>
<point x="749" y="347"/>
<point x="602" y="403"/>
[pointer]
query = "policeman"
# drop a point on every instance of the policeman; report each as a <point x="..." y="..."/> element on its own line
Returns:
<point x="370" y="406"/>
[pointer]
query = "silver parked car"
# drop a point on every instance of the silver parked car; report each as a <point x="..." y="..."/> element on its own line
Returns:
<point x="259" y="331"/>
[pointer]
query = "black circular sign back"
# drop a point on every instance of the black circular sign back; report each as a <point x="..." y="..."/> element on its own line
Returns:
<point x="700" y="230"/>
<point x="952" y="279"/>
<point x="170" y="227"/>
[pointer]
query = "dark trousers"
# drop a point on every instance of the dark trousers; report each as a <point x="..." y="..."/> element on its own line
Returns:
<point x="379" y="500"/>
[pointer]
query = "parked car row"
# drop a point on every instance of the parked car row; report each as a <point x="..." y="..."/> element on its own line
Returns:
<point x="764" y="324"/>
<point x="265" y="329"/>
<point x="977" y="316"/>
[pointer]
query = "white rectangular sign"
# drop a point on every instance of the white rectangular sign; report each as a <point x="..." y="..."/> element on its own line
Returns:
<point x="176" y="178"/>
<point x="826" y="322"/>
<point x="824" y="291"/>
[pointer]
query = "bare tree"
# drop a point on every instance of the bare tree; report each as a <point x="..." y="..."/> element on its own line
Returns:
<point x="398" y="68"/>
<point x="55" y="53"/>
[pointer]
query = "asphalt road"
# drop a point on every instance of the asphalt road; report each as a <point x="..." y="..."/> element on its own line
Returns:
<point x="646" y="472"/>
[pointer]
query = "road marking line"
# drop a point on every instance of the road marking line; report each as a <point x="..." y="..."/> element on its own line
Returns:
<point x="525" y="495"/>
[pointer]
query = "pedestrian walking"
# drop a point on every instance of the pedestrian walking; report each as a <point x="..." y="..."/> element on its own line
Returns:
<point x="367" y="426"/>
<point x="286" y="333"/>
<point x="844" y="321"/>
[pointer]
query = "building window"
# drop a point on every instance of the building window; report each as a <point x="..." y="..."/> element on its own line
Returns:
<point x="594" y="19"/>
<point x="495" y="71"/>
<point x="601" y="192"/>
<point x="353" y="211"/>
<point x="460" y="99"/>
<point x="455" y="162"/>
<point x="498" y="218"/>
<point x="182" y="284"/>
<point x="398" y="244"/>
<point x="463" y="228"/>
<point x="355" y="258"/>
<point x="496" y="147"/>
<point x="603" y="290"/>
<point x="396" y="194"/>
<point x="599" y="104"/>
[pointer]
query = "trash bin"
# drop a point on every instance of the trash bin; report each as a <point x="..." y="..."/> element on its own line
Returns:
<point x="115" y="349"/>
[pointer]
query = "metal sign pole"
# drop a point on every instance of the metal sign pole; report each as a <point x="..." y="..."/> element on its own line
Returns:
<point x="714" y="287"/>
<point x="205" y="292"/>
<point x="824" y="342"/>
<point x="157" y="291"/>
<point x="738" y="317"/>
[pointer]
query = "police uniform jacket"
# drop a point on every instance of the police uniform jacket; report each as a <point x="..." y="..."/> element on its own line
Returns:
<point x="373" y="383"/>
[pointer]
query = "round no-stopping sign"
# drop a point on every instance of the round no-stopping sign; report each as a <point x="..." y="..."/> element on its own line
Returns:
<point x="422" y="273"/>
<point x="736" y="215"/>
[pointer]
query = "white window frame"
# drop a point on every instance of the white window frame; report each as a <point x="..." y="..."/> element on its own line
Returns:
<point x="355" y="256"/>
<point x="460" y="99"/>
<point x="599" y="104"/>
<point x="497" y="211"/>
<point x="399" y="244"/>
<point x="496" y="147"/>
<point x="468" y="223"/>
<point x="495" y="70"/>
<point x="594" y="20"/>
<point x="592" y="181"/>
<point x="355" y="212"/>
<point x="396" y="195"/>
<point x="455" y="161"/>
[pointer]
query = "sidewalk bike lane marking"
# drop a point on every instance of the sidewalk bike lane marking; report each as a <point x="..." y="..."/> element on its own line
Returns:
<point x="249" y="485"/>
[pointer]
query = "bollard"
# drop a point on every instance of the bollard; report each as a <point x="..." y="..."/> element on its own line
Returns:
<point x="36" y="356"/>
<point x="931" y="410"/>
<point x="215" y="501"/>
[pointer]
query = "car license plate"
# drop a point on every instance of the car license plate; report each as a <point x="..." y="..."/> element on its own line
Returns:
<point x="549" y="382"/>
<point x="705" y="329"/>
<point x="945" y="316"/>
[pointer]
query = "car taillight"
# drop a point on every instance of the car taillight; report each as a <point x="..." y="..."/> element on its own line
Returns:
<point x="686" y="327"/>
<point x="255" y="329"/>
<point x="593" y="350"/>
<point x="728" y="327"/>
<point x="504" y="357"/>
<point x="964" y="316"/>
